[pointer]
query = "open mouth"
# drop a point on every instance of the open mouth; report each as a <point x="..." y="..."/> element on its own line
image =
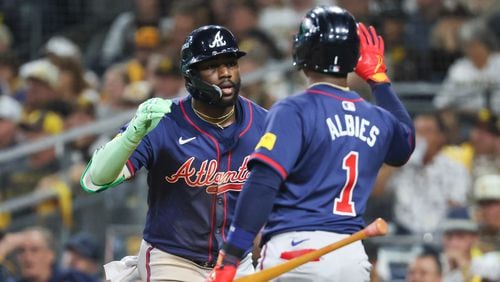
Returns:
<point x="227" y="88"/>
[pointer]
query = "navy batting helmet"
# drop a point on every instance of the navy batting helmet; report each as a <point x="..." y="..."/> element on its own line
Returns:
<point x="327" y="41"/>
<point x="204" y="44"/>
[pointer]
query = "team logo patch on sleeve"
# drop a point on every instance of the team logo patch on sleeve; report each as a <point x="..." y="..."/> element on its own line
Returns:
<point x="267" y="141"/>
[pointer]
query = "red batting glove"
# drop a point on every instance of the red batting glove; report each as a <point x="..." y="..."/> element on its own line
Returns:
<point x="224" y="270"/>
<point x="371" y="65"/>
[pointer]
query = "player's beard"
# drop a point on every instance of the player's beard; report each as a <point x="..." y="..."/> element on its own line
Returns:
<point x="228" y="101"/>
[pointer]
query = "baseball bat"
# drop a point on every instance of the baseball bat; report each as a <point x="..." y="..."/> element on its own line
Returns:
<point x="376" y="228"/>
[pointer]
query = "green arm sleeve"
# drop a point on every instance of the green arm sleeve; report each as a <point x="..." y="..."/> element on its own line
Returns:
<point x="107" y="166"/>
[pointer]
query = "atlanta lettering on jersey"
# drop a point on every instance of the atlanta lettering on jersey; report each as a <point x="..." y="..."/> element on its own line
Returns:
<point x="217" y="182"/>
<point x="353" y="126"/>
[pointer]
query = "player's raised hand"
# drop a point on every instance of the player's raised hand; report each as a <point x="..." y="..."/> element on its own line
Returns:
<point x="371" y="65"/>
<point x="225" y="270"/>
<point x="147" y="117"/>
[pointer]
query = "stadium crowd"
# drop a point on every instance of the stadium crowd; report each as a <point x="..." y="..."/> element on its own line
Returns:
<point x="448" y="193"/>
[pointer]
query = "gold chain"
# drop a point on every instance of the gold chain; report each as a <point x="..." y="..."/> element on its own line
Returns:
<point x="205" y="117"/>
<point x="223" y="117"/>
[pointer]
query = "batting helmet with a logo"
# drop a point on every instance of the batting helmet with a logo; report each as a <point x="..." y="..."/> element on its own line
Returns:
<point x="203" y="44"/>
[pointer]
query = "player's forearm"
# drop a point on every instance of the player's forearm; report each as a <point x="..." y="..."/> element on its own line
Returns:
<point x="108" y="161"/>
<point x="386" y="98"/>
<point x="254" y="206"/>
<point x="403" y="140"/>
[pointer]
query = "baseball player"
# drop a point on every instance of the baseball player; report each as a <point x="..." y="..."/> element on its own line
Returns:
<point x="313" y="170"/>
<point x="196" y="150"/>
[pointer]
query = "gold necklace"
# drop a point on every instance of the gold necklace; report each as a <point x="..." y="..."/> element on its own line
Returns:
<point x="209" y="117"/>
<point x="205" y="117"/>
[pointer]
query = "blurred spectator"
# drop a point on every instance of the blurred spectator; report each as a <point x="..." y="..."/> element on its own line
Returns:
<point x="115" y="80"/>
<point x="260" y="90"/>
<point x="480" y="151"/>
<point x="72" y="86"/>
<point x="362" y="10"/>
<point x="84" y="253"/>
<point x="418" y="30"/>
<point x="487" y="197"/>
<point x="5" y="39"/>
<point x="426" y="267"/>
<point x="137" y="92"/>
<point x="79" y="150"/>
<point x="60" y="47"/>
<point x="41" y="78"/>
<point x="445" y="45"/>
<point x="36" y="256"/>
<point x="25" y="175"/>
<point x="10" y="115"/>
<point x="166" y="79"/>
<point x="218" y="10"/>
<point x="37" y="125"/>
<point x="184" y="17"/>
<point x="10" y="82"/>
<point x="482" y="7"/>
<point x="281" y="18"/>
<point x="457" y="129"/>
<point x="397" y="58"/>
<point x="472" y="82"/>
<point x="119" y="42"/>
<point x="486" y="267"/>
<point x="147" y="40"/>
<point x="493" y="20"/>
<point x="275" y="17"/>
<point x="242" y="20"/>
<point x="460" y="234"/>
<point x="80" y="117"/>
<point x="424" y="183"/>
<point x="485" y="142"/>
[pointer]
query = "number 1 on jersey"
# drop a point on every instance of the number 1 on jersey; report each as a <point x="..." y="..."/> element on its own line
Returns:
<point x="344" y="204"/>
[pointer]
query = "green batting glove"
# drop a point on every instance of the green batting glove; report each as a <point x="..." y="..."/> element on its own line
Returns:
<point x="147" y="117"/>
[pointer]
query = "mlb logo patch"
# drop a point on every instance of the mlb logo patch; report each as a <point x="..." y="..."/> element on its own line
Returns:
<point x="348" y="106"/>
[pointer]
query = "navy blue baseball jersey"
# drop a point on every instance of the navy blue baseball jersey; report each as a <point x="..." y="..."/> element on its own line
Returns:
<point x="328" y="145"/>
<point x="195" y="173"/>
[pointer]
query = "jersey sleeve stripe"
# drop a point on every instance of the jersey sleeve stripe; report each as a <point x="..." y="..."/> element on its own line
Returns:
<point x="272" y="163"/>
<point x="130" y="168"/>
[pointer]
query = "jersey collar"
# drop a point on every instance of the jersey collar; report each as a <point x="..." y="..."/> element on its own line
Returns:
<point x="329" y="84"/>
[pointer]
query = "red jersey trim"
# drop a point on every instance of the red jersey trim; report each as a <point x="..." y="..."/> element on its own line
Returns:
<point x="271" y="163"/>
<point x="148" y="263"/>
<point x="214" y="198"/>
<point x="336" y="97"/>
<point x="130" y="167"/>
<point x="250" y="119"/>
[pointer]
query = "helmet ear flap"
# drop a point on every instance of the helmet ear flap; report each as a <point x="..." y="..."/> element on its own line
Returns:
<point x="199" y="89"/>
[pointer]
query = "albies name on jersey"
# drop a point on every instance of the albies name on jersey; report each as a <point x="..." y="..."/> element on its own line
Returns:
<point x="353" y="126"/>
<point x="217" y="182"/>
